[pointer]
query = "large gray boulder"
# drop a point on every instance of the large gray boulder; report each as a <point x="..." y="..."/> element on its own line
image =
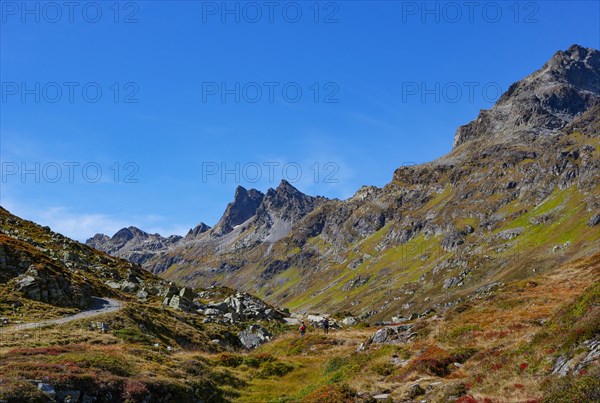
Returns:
<point x="389" y="335"/>
<point x="42" y="284"/>
<point x="254" y="336"/>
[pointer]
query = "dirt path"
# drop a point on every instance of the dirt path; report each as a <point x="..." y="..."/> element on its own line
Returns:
<point x="99" y="307"/>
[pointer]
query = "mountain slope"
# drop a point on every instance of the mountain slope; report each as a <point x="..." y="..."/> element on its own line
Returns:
<point x="517" y="194"/>
<point x="56" y="341"/>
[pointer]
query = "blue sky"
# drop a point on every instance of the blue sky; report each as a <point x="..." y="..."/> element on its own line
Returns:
<point x="150" y="113"/>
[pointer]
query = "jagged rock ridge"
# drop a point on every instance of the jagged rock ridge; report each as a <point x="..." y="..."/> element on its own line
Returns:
<point x="544" y="102"/>
<point x="133" y="244"/>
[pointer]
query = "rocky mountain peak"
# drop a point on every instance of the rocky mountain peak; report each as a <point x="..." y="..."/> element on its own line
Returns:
<point x="127" y="234"/>
<point x="244" y="205"/>
<point x="132" y="243"/>
<point x="197" y="230"/>
<point x="284" y="190"/>
<point x="543" y="102"/>
<point x="287" y="202"/>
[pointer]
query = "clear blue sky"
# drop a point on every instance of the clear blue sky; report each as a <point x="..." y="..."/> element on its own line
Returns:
<point x="387" y="75"/>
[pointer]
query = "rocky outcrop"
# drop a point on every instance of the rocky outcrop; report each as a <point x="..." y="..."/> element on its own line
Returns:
<point x="40" y="283"/>
<point x="544" y="102"/>
<point x="282" y="208"/>
<point x="240" y="307"/>
<point x="254" y="336"/>
<point x="594" y="220"/>
<point x="39" y="264"/>
<point x="244" y="205"/>
<point x="586" y="353"/>
<point x="179" y="298"/>
<point x="389" y="335"/>
<point x="197" y="231"/>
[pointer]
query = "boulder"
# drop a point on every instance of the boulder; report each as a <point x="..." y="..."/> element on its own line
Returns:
<point x="509" y="233"/>
<point x="212" y="312"/>
<point x="128" y="286"/>
<point x="594" y="220"/>
<point x="222" y="307"/>
<point x="180" y="303"/>
<point x="113" y="284"/>
<point x="315" y="319"/>
<point x="232" y="317"/>
<point x="253" y="336"/>
<point x="389" y="335"/>
<point x="41" y="283"/>
<point x="142" y="294"/>
<point x="169" y="292"/>
<point x="47" y="389"/>
<point x="187" y="293"/>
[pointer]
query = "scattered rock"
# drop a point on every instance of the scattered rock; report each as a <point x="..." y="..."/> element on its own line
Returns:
<point x="594" y="220"/>
<point x="566" y="364"/>
<point x="509" y="233"/>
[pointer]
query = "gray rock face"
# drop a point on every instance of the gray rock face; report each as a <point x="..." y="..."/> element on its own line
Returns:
<point x="267" y="218"/>
<point x="453" y="240"/>
<point x="244" y="205"/>
<point x="594" y="220"/>
<point x="132" y="244"/>
<point x="240" y="307"/>
<point x="544" y="102"/>
<point x="197" y="231"/>
<point x="566" y="364"/>
<point x="254" y="336"/>
<point x="509" y="233"/>
<point x="41" y="284"/>
<point x="180" y="299"/>
<point x="389" y="335"/>
<point x="280" y="210"/>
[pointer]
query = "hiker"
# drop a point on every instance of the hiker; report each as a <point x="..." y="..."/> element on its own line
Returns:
<point x="325" y="325"/>
<point x="302" y="329"/>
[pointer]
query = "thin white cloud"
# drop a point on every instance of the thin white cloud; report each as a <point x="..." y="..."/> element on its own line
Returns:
<point x="81" y="226"/>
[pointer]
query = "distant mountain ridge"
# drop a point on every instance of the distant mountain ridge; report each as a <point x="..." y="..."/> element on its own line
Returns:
<point x="270" y="217"/>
